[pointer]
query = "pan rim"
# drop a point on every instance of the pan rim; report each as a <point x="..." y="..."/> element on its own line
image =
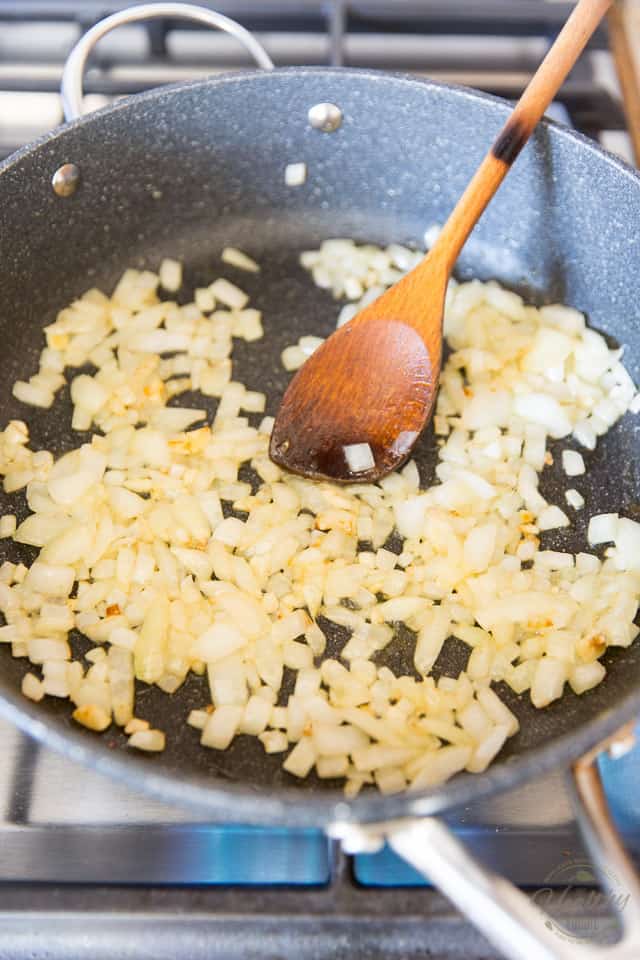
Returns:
<point x="267" y="76"/>
<point x="246" y="803"/>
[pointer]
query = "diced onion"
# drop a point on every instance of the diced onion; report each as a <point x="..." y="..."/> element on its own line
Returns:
<point x="152" y="741"/>
<point x="548" y="681"/>
<point x="236" y="258"/>
<point x="229" y="294"/>
<point x="170" y="275"/>
<point x="572" y="463"/>
<point x="221" y="727"/>
<point x="574" y="498"/>
<point x="159" y="548"/>
<point x="603" y="528"/>
<point x="295" y="174"/>
<point x="8" y="524"/>
<point x="359" y="457"/>
<point x="92" y="716"/>
<point x="551" y="518"/>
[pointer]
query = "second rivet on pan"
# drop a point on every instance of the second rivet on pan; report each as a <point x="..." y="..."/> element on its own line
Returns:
<point x="65" y="180"/>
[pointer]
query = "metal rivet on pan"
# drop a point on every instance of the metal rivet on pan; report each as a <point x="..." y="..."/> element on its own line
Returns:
<point x="325" y="116"/>
<point x="65" y="180"/>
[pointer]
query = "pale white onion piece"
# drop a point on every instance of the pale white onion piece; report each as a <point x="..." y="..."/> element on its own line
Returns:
<point x="498" y="711"/>
<point x="551" y="518"/>
<point x="544" y="410"/>
<point x="585" y="676"/>
<point x="219" y="641"/>
<point x="170" y="275"/>
<point x="50" y="580"/>
<point x="274" y="741"/>
<point x="236" y="258"/>
<point x="488" y="749"/>
<point x="87" y="393"/>
<point x="221" y="726"/>
<point x="574" y="498"/>
<point x="8" y="525"/>
<point x="301" y="759"/>
<point x="295" y="174"/>
<point x="359" y="457"/>
<point x="135" y="725"/>
<point x="329" y="768"/>
<point x="228" y="293"/>
<point x="548" y="681"/>
<point x="32" y="687"/>
<point x="152" y="741"/>
<point x="292" y="358"/>
<point x="32" y="394"/>
<point x="603" y="528"/>
<point x="256" y="716"/>
<point x="196" y="719"/>
<point x="627" y="541"/>
<point x="572" y="463"/>
<point x="439" y="765"/>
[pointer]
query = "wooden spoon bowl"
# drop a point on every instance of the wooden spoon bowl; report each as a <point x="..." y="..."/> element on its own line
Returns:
<point x="348" y="393"/>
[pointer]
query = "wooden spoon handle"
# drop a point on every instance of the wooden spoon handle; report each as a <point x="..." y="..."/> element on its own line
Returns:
<point x="541" y="90"/>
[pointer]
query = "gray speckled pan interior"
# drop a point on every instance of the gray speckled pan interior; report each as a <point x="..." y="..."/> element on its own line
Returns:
<point x="183" y="172"/>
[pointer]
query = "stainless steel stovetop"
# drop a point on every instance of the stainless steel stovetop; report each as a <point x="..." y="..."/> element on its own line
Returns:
<point x="89" y="869"/>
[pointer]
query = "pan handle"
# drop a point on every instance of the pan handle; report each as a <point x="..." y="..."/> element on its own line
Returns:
<point x="508" y="918"/>
<point x="71" y="86"/>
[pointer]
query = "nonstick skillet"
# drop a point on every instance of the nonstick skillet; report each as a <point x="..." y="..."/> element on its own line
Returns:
<point x="186" y="170"/>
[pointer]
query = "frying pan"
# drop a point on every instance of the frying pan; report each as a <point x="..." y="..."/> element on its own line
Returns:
<point x="185" y="170"/>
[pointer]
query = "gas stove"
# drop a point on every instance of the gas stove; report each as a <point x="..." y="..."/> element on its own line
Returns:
<point x="89" y="869"/>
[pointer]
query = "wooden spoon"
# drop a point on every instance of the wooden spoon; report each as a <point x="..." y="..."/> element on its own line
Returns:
<point x="355" y="409"/>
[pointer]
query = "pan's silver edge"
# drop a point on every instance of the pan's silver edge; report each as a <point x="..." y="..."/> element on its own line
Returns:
<point x="242" y="803"/>
<point x="257" y="76"/>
